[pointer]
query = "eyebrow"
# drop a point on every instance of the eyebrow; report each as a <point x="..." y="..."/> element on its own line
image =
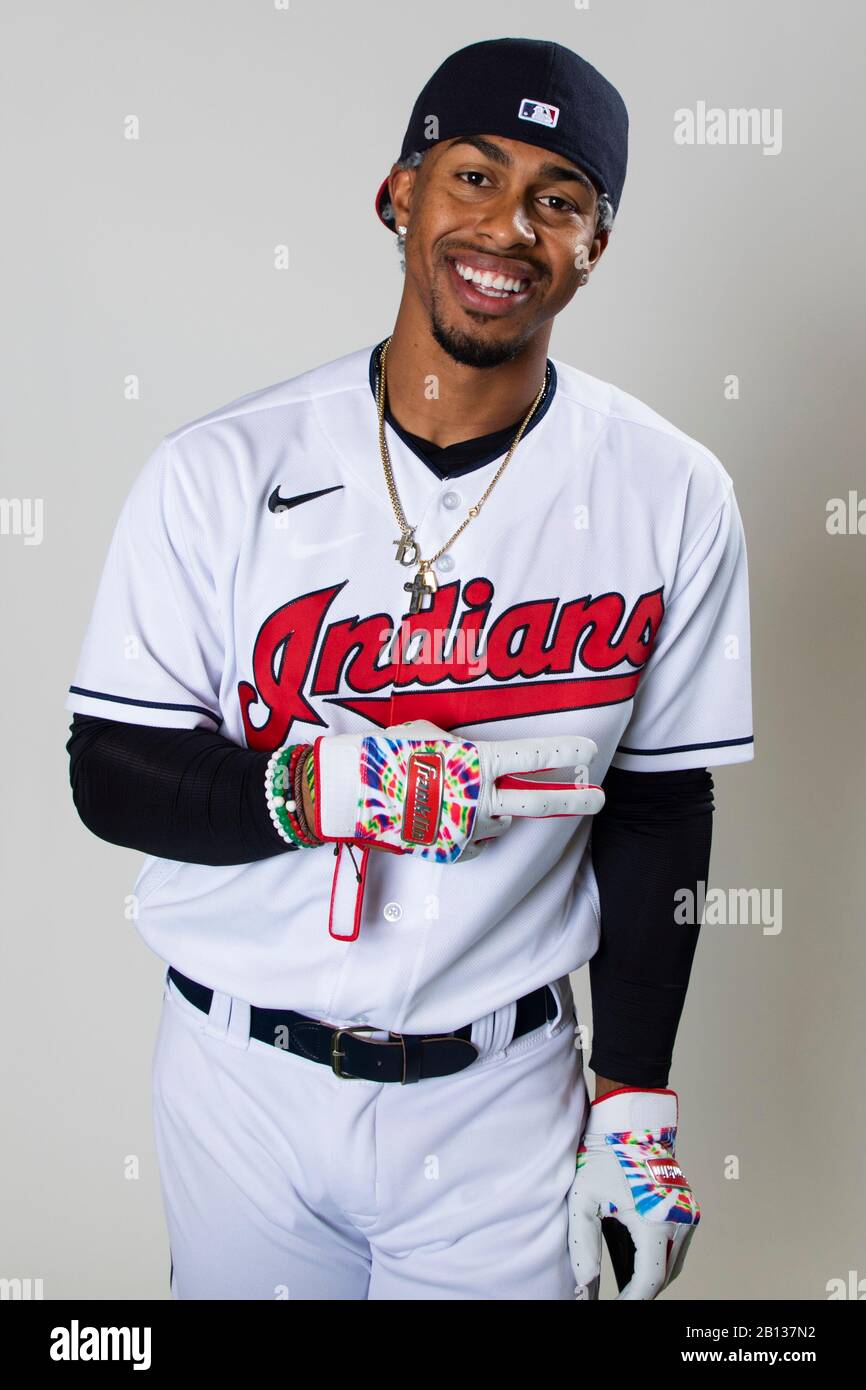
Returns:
<point x="559" y="173"/>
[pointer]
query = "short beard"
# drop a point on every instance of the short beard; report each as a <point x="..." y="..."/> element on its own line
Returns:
<point x="469" y="351"/>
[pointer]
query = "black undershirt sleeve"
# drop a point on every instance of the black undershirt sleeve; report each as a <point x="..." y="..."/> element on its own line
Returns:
<point x="195" y="796"/>
<point x="186" y="794"/>
<point x="651" y="840"/>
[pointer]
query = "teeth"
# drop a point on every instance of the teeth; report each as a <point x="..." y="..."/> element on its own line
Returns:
<point x="489" y="281"/>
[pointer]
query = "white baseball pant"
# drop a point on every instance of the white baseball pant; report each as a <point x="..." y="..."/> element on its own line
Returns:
<point x="281" y="1181"/>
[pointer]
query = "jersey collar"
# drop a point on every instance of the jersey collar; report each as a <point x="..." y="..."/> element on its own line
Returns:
<point x="469" y="454"/>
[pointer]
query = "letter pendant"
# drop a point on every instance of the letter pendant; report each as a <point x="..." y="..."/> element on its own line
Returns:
<point x="407" y="546"/>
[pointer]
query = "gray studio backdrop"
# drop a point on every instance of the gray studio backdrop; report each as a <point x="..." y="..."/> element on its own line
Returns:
<point x="730" y="299"/>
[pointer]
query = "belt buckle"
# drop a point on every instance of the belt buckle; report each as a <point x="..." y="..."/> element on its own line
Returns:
<point x="336" y="1054"/>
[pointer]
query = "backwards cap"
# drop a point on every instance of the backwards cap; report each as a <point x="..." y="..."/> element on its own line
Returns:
<point x="532" y="90"/>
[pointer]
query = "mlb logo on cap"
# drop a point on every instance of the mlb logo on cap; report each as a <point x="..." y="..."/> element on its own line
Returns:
<point x="539" y="111"/>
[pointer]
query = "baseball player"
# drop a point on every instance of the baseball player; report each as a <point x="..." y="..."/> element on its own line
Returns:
<point x="372" y="649"/>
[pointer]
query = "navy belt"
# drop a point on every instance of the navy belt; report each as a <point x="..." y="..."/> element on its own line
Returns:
<point x="404" y="1057"/>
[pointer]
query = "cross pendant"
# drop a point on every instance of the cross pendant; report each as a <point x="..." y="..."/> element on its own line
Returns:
<point x="423" y="583"/>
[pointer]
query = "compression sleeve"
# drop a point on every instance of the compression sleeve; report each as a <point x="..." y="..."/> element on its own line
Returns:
<point x="186" y="794"/>
<point x="651" y="840"/>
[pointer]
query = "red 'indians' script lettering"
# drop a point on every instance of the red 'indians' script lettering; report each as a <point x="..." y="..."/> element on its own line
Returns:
<point x="539" y="657"/>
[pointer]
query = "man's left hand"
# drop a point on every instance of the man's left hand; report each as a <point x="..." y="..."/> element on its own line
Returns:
<point x="629" y="1187"/>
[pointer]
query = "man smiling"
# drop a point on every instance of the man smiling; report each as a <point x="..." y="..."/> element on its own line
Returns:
<point x="414" y="605"/>
<point x="538" y="232"/>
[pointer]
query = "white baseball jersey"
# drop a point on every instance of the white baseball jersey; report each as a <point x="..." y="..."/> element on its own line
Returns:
<point x="602" y="591"/>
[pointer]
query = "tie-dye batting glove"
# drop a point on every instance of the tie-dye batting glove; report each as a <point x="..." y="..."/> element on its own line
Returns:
<point x="418" y="790"/>
<point x="629" y="1187"/>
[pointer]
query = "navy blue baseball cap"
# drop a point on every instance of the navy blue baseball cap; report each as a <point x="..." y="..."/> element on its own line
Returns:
<point x="532" y="90"/>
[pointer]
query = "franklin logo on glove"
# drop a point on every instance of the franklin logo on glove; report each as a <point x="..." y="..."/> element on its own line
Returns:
<point x="423" y="798"/>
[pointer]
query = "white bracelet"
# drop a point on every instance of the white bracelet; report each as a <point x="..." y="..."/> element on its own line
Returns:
<point x="275" y="800"/>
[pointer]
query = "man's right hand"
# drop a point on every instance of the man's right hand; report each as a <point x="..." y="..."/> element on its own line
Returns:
<point x="413" y="788"/>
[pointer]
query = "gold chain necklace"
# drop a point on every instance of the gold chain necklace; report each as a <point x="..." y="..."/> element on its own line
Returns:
<point x="408" y="550"/>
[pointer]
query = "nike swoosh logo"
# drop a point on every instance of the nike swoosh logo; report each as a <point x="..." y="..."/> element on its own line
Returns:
<point x="300" y="550"/>
<point x="276" y="503"/>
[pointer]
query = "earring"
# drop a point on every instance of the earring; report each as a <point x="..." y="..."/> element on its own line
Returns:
<point x="584" y="276"/>
<point x="402" y="230"/>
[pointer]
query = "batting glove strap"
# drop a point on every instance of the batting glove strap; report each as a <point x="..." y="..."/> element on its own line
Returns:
<point x="632" y="1108"/>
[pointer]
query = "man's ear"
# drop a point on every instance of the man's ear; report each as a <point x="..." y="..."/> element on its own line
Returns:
<point x="400" y="186"/>
<point x="599" y="245"/>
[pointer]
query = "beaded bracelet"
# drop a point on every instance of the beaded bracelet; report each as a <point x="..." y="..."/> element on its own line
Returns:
<point x="276" y="780"/>
<point x="287" y="812"/>
<point x="294" y="809"/>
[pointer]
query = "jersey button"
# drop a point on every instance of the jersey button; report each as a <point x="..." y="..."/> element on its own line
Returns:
<point x="445" y="563"/>
<point x="392" y="912"/>
<point x="451" y="500"/>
